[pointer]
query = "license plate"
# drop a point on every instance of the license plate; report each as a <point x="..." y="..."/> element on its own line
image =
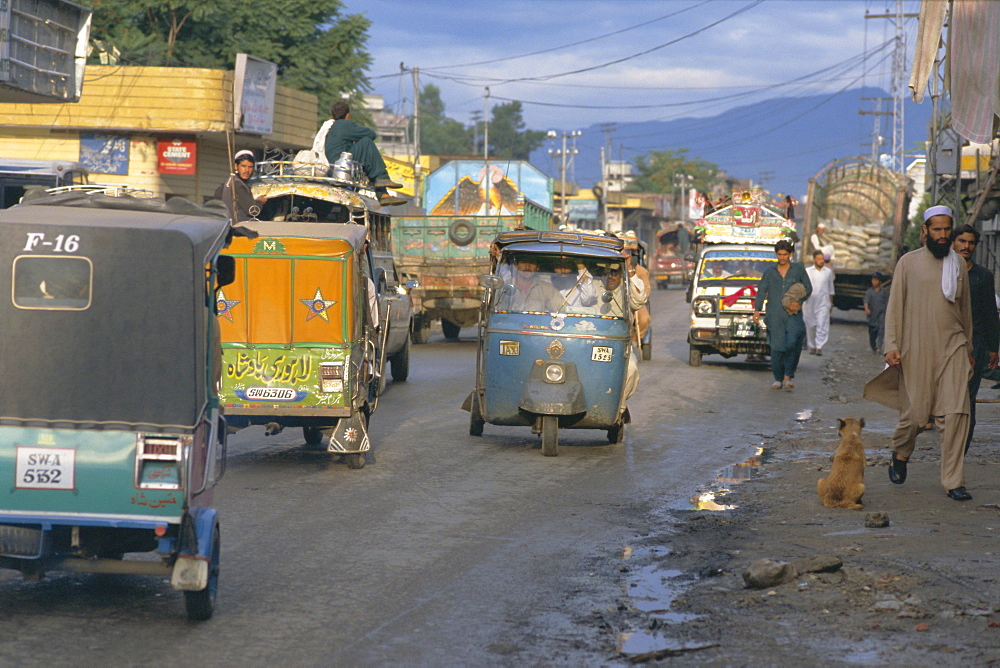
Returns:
<point x="45" y="468"/>
<point x="272" y="393"/>
<point x="743" y="330"/>
<point x="601" y="354"/>
<point x="20" y="541"/>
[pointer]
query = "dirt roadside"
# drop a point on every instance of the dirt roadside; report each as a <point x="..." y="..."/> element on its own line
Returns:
<point x="922" y="591"/>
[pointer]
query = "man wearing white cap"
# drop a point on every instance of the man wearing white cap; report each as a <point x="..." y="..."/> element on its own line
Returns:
<point x="928" y="334"/>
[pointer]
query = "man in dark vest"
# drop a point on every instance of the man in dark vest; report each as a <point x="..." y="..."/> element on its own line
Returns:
<point x="347" y="136"/>
<point x="985" y="322"/>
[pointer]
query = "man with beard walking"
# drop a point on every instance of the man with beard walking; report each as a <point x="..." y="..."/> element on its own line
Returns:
<point x="928" y="334"/>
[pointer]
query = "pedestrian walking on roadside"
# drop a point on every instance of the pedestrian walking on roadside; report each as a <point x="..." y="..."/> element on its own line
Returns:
<point x="876" y="300"/>
<point x="816" y="311"/>
<point x="985" y="322"/>
<point x="789" y="207"/>
<point x="785" y="329"/>
<point x="928" y="335"/>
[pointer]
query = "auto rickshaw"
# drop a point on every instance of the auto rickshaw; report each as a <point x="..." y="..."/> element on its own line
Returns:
<point x="301" y="345"/>
<point x="554" y="336"/>
<point x="111" y="435"/>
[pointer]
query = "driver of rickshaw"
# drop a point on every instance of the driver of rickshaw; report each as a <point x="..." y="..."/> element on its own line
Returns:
<point x="575" y="286"/>
<point x="531" y="291"/>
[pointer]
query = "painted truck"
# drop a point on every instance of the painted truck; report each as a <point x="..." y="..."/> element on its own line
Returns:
<point x="448" y="249"/>
<point x="856" y="212"/>
<point x="735" y="246"/>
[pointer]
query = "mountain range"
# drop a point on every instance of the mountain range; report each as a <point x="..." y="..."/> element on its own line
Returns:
<point x="779" y="143"/>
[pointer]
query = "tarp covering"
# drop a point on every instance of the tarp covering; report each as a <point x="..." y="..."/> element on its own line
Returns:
<point x="973" y="62"/>
<point x="134" y="351"/>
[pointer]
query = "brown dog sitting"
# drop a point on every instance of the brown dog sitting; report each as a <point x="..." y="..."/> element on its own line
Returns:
<point x="845" y="486"/>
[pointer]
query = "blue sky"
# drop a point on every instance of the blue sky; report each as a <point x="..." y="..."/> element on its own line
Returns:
<point x="760" y="51"/>
<point x="575" y="63"/>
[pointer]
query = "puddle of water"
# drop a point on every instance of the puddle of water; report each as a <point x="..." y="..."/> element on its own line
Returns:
<point x="804" y="414"/>
<point x="709" y="499"/>
<point x="652" y="589"/>
<point x="644" y="642"/>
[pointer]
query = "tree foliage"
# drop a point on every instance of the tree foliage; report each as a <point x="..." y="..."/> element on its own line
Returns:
<point x="657" y="172"/>
<point x="440" y="135"/>
<point x="317" y="49"/>
<point x="508" y="137"/>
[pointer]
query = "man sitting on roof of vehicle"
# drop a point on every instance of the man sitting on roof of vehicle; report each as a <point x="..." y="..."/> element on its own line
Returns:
<point x="347" y="136"/>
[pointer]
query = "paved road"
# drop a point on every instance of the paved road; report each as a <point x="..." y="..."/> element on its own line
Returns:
<point x="447" y="549"/>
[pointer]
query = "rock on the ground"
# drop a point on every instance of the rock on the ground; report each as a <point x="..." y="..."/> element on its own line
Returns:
<point x="765" y="573"/>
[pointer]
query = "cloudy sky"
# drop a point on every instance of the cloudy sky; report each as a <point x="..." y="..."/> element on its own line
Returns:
<point x="573" y="63"/>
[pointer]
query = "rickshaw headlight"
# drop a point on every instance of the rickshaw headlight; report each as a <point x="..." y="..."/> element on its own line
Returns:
<point x="554" y="373"/>
<point x="703" y="307"/>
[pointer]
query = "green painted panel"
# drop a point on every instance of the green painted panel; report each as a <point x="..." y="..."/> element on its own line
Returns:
<point x="76" y="471"/>
<point x="280" y="378"/>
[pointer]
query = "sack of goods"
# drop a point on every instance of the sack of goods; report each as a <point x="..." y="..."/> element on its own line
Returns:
<point x="857" y="246"/>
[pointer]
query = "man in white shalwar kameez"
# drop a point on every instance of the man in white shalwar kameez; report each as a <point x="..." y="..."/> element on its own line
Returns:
<point x="928" y="334"/>
<point x="816" y="309"/>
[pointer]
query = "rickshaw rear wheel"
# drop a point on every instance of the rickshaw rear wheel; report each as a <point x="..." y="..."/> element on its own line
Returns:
<point x="421" y="330"/>
<point x="694" y="356"/>
<point x="201" y="604"/>
<point x="313" y="435"/>
<point x="450" y="329"/>
<point x="647" y="351"/>
<point x="401" y="363"/>
<point x="355" y="460"/>
<point x="550" y="435"/>
<point x="476" y="421"/>
<point x="616" y="434"/>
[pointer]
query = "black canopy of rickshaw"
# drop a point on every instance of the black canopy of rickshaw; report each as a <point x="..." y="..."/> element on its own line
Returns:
<point x="137" y="356"/>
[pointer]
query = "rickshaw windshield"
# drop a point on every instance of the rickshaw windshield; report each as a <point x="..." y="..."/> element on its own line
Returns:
<point x="558" y="283"/>
<point x="723" y="267"/>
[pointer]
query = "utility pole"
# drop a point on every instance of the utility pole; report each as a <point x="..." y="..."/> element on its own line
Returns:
<point x="607" y="129"/>
<point x="898" y="85"/>
<point x="486" y="145"/>
<point x="417" y="175"/>
<point x="562" y="172"/>
<point x="682" y="180"/>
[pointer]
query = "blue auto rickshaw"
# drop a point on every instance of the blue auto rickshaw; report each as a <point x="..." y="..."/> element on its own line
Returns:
<point x="111" y="433"/>
<point x="554" y="336"/>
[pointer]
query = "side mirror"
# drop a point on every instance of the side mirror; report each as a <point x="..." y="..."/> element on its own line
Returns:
<point x="607" y="296"/>
<point x="412" y="284"/>
<point x="689" y="257"/>
<point x="490" y="281"/>
<point x="225" y="266"/>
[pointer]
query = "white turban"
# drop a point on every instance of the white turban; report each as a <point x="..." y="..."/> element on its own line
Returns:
<point x="939" y="210"/>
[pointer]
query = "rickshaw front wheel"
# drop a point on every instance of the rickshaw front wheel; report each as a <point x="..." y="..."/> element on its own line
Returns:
<point x="550" y="435"/>
<point x="201" y="604"/>
<point x="313" y="435"/>
<point x="476" y="421"/>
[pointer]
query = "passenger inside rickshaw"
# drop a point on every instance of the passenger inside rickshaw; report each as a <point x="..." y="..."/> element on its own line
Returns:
<point x="550" y="283"/>
<point x="731" y="268"/>
<point x="61" y="283"/>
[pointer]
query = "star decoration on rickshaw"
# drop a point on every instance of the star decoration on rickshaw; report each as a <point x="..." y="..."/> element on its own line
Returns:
<point x="224" y="307"/>
<point x="318" y="306"/>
